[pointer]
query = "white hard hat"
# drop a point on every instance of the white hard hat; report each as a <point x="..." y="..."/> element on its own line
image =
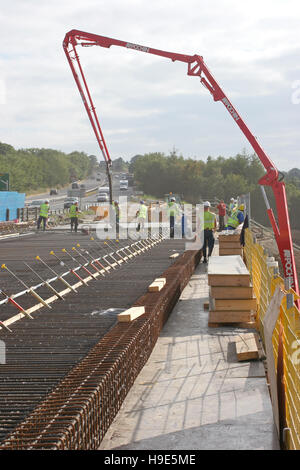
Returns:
<point x="232" y="199"/>
<point x="206" y="204"/>
<point x="172" y="199"/>
<point x="47" y="200"/>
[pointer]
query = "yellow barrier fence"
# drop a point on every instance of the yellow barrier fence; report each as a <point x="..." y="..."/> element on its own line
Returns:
<point x="265" y="279"/>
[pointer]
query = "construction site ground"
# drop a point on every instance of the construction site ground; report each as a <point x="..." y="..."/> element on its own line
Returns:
<point x="193" y="394"/>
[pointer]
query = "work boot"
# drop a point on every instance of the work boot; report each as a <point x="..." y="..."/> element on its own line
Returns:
<point x="205" y="261"/>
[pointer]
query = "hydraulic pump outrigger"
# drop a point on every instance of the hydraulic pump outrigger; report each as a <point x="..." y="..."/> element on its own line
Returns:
<point x="196" y="68"/>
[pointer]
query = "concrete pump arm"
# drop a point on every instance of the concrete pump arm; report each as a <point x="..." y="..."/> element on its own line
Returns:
<point x="196" y="68"/>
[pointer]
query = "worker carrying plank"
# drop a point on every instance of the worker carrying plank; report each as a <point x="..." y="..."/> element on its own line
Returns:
<point x="210" y="225"/>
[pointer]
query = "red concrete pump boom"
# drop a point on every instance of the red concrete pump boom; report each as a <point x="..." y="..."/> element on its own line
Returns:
<point x="196" y="68"/>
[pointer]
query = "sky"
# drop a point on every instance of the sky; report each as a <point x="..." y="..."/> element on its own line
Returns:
<point x="147" y="103"/>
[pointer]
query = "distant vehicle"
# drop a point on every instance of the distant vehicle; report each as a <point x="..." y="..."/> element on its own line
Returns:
<point x="36" y="203"/>
<point x="53" y="192"/>
<point x="123" y="185"/>
<point x="75" y="186"/>
<point x="102" y="197"/>
<point x="69" y="201"/>
<point x="103" y="189"/>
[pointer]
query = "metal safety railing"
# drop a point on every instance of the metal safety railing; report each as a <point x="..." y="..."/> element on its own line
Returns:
<point x="265" y="278"/>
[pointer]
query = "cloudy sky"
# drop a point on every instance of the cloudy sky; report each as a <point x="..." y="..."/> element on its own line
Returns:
<point x="147" y="103"/>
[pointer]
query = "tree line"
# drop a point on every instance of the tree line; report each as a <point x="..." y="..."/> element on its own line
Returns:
<point x="156" y="174"/>
<point x="34" y="168"/>
<point x="214" y="179"/>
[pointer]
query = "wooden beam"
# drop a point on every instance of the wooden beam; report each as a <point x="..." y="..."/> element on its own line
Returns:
<point x="230" y="251"/>
<point x="229" y="280"/>
<point x="235" y="304"/>
<point x="250" y="325"/>
<point x="247" y="346"/>
<point x="157" y="285"/>
<point x="230" y="244"/>
<point x="229" y="238"/>
<point x="131" y="314"/>
<point x="229" y="317"/>
<point x="230" y="292"/>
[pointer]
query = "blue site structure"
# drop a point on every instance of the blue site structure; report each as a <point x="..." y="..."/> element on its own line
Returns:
<point x="10" y="202"/>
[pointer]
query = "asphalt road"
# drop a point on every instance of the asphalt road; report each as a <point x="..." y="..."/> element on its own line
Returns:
<point x="57" y="202"/>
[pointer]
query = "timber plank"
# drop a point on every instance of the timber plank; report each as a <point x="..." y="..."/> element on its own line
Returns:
<point x="249" y="325"/>
<point x="230" y="251"/>
<point x="219" y="316"/>
<point x="223" y="280"/>
<point x="131" y="314"/>
<point x="235" y="304"/>
<point x="229" y="238"/>
<point x="247" y="346"/>
<point x="157" y="285"/>
<point x="223" y="244"/>
<point x="231" y="292"/>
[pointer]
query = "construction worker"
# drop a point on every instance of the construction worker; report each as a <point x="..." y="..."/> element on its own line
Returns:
<point x="235" y="218"/>
<point x="222" y="212"/>
<point x="74" y="213"/>
<point x="173" y="211"/>
<point x="44" y="211"/>
<point x="116" y="208"/>
<point x="142" y="216"/>
<point x="210" y="226"/>
<point x="232" y="205"/>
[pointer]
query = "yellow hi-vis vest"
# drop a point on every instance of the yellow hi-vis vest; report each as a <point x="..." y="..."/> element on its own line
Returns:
<point x="172" y="209"/>
<point x="233" y="220"/>
<point x="44" y="209"/>
<point x="209" y="220"/>
<point x="73" y="212"/>
<point x="143" y="211"/>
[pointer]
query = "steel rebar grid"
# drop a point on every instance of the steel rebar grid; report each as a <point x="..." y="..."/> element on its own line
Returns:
<point x="78" y="412"/>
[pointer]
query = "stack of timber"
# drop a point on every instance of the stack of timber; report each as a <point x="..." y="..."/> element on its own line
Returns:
<point x="229" y="243"/>
<point x="231" y="297"/>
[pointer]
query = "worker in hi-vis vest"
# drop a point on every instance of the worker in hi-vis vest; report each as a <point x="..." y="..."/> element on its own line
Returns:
<point x="235" y="218"/>
<point x="210" y="226"/>
<point x="231" y="206"/>
<point x="142" y="216"/>
<point x="44" y="211"/>
<point x="173" y="211"/>
<point x="74" y="213"/>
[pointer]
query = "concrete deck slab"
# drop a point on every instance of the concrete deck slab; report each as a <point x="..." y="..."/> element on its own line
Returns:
<point x="193" y="394"/>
